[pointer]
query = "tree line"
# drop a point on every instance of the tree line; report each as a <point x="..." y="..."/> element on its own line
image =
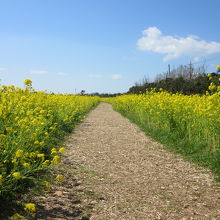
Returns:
<point x="184" y="79"/>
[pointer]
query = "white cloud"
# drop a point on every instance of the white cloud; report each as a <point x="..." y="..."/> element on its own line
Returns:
<point x="175" y="47"/>
<point x="117" y="76"/>
<point x="96" y="76"/>
<point x="62" y="74"/>
<point x="40" y="72"/>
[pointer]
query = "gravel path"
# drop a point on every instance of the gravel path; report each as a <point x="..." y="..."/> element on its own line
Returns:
<point x="114" y="171"/>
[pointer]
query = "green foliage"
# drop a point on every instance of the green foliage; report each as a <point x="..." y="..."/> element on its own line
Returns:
<point x="199" y="85"/>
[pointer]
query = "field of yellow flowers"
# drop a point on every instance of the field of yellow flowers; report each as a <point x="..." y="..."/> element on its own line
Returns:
<point x="31" y="125"/>
<point x="189" y="125"/>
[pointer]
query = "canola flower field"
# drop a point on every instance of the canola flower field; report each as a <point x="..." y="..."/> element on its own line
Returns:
<point x="189" y="125"/>
<point x="31" y="126"/>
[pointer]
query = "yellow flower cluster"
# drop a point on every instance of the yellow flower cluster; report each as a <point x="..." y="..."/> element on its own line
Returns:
<point x="194" y="117"/>
<point x="214" y="81"/>
<point x="59" y="177"/>
<point x="31" y="124"/>
<point x="56" y="160"/>
<point x="17" y="175"/>
<point x="62" y="150"/>
<point x="1" y="179"/>
<point x="17" y="216"/>
<point x="27" y="82"/>
<point x="30" y="207"/>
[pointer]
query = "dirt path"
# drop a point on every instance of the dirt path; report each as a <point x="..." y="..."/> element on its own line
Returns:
<point x="113" y="171"/>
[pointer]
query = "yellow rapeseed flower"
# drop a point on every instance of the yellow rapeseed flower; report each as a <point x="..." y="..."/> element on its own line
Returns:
<point x="26" y="165"/>
<point x="14" y="160"/>
<point x="212" y="86"/>
<point x="62" y="150"/>
<point x="30" y="207"/>
<point x="42" y="112"/>
<point x="2" y="136"/>
<point x="46" y="163"/>
<point x="59" y="177"/>
<point x="42" y="143"/>
<point x="35" y="122"/>
<point x="36" y="142"/>
<point x="9" y="129"/>
<point x="16" y="216"/>
<point x="17" y="175"/>
<point x="40" y="155"/>
<point x="53" y="151"/>
<point x="1" y="179"/>
<point x="27" y="82"/>
<point x="218" y="67"/>
<point x="56" y="160"/>
<point x="19" y="153"/>
<point x="32" y="154"/>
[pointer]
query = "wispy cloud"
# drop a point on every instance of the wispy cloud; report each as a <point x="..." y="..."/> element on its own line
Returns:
<point x="62" y="74"/>
<point x="174" y="47"/>
<point x="96" y="76"/>
<point x="117" y="76"/>
<point x="38" y="72"/>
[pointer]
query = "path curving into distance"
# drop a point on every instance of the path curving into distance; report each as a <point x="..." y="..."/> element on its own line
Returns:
<point x="114" y="171"/>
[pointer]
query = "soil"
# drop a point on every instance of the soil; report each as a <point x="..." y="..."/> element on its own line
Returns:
<point x="113" y="171"/>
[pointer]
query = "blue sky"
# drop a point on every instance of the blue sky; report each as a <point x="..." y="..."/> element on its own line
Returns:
<point x="103" y="45"/>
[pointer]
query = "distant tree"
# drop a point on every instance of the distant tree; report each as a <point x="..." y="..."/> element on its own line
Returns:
<point x="82" y="92"/>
